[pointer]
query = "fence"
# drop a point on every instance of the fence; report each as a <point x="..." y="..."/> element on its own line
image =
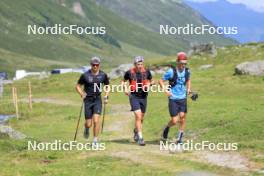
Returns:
<point x="13" y="101"/>
<point x="1" y="87"/>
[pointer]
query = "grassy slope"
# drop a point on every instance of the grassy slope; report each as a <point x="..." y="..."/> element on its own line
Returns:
<point x="230" y="109"/>
<point x="227" y="101"/>
<point x="151" y="15"/>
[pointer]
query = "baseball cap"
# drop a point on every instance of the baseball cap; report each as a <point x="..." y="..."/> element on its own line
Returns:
<point x="138" y="59"/>
<point x="182" y="57"/>
<point x="95" y="60"/>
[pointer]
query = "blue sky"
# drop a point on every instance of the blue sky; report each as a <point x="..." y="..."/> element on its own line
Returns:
<point x="256" y="5"/>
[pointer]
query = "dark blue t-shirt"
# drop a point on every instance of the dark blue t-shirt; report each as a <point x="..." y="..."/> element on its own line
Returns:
<point x="93" y="83"/>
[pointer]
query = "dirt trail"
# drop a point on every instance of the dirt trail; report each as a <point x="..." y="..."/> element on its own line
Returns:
<point x="120" y="123"/>
<point x="52" y="101"/>
<point x="226" y="159"/>
<point x="121" y="118"/>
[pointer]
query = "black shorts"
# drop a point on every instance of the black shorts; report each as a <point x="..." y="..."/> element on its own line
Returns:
<point x="138" y="103"/>
<point x="177" y="106"/>
<point x="92" y="106"/>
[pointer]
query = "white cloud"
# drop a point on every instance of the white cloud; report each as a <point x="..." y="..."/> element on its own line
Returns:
<point x="201" y="1"/>
<point x="256" y="5"/>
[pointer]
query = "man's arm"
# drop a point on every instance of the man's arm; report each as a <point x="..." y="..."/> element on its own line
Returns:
<point x="162" y="85"/>
<point x="124" y="86"/>
<point x="152" y="82"/>
<point x="168" y="75"/>
<point x="150" y="78"/>
<point x="107" y="90"/>
<point x="188" y="84"/>
<point x="80" y="91"/>
<point x="124" y="83"/>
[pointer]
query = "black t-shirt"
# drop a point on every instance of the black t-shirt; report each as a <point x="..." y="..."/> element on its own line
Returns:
<point x="140" y="93"/>
<point x="93" y="84"/>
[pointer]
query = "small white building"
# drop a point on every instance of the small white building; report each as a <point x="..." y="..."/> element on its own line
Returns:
<point x="70" y="70"/>
<point x="22" y="74"/>
<point x="61" y="70"/>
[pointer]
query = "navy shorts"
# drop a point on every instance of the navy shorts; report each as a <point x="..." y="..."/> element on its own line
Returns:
<point x="177" y="106"/>
<point x="92" y="106"/>
<point x="138" y="103"/>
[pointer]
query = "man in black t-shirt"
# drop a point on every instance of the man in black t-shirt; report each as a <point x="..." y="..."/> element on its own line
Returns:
<point x="139" y="79"/>
<point x="93" y="81"/>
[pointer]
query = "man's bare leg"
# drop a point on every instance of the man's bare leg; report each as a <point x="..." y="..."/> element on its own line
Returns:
<point x="96" y="126"/>
<point x="182" y="126"/>
<point x="138" y="126"/>
<point x="87" y="125"/>
<point x="138" y="121"/>
<point x="142" y="120"/>
<point x="174" y="120"/>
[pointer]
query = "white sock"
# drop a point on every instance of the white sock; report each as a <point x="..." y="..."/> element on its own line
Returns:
<point x="180" y="134"/>
<point x="140" y="135"/>
<point x="95" y="139"/>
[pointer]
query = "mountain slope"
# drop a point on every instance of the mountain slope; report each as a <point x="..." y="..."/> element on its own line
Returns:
<point x="122" y="37"/>
<point x="249" y="22"/>
<point x="164" y="12"/>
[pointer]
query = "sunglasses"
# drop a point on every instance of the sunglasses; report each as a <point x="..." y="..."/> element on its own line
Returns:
<point x="95" y="65"/>
<point x="182" y="63"/>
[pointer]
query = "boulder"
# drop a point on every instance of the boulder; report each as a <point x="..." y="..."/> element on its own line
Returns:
<point x="152" y="73"/>
<point x="161" y="71"/>
<point x="158" y="69"/>
<point x="205" y="67"/>
<point x="208" y="48"/>
<point x="255" y="68"/>
<point x="120" y="71"/>
<point x="7" y="130"/>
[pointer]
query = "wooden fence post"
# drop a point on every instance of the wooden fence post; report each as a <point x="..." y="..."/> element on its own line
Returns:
<point x="13" y="96"/>
<point x="1" y="87"/>
<point x="29" y="95"/>
<point x="16" y="102"/>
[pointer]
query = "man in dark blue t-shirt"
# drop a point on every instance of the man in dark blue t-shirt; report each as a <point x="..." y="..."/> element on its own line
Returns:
<point x="93" y="80"/>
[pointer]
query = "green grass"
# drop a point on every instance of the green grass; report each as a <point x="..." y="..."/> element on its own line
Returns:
<point x="229" y="109"/>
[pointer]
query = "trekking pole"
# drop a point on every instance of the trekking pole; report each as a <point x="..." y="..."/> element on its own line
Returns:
<point x="103" y="118"/>
<point x="77" y="127"/>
